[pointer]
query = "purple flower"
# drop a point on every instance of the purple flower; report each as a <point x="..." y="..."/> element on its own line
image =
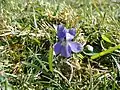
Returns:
<point x="66" y="46"/>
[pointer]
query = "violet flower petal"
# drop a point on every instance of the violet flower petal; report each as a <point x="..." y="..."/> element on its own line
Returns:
<point x="66" y="51"/>
<point x="60" y="27"/>
<point x="57" y="48"/>
<point x="72" y="31"/>
<point x="69" y="36"/>
<point x="75" y="47"/>
<point x="61" y="32"/>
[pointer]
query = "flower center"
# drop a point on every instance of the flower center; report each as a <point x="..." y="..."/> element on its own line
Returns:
<point x="63" y="43"/>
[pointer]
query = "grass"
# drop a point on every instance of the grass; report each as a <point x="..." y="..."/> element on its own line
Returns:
<point x="27" y="35"/>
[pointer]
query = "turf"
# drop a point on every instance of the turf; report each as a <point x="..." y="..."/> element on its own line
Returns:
<point x="28" y="33"/>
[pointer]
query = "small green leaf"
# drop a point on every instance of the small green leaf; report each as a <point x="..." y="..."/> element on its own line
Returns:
<point x="105" y="52"/>
<point x="50" y="58"/>
<point x="106" y="39"/>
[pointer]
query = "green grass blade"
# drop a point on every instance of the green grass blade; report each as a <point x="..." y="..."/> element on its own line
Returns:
<point x="105" y="52"/>
<point x="117" y="64"/>
<point x="50" y="58"/>
<point x="43" y="66"/>
<point x="6" y="84"/>
<point x="30" y="65"/>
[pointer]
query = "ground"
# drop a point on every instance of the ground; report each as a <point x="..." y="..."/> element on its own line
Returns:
<point x="27" y="38"/>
